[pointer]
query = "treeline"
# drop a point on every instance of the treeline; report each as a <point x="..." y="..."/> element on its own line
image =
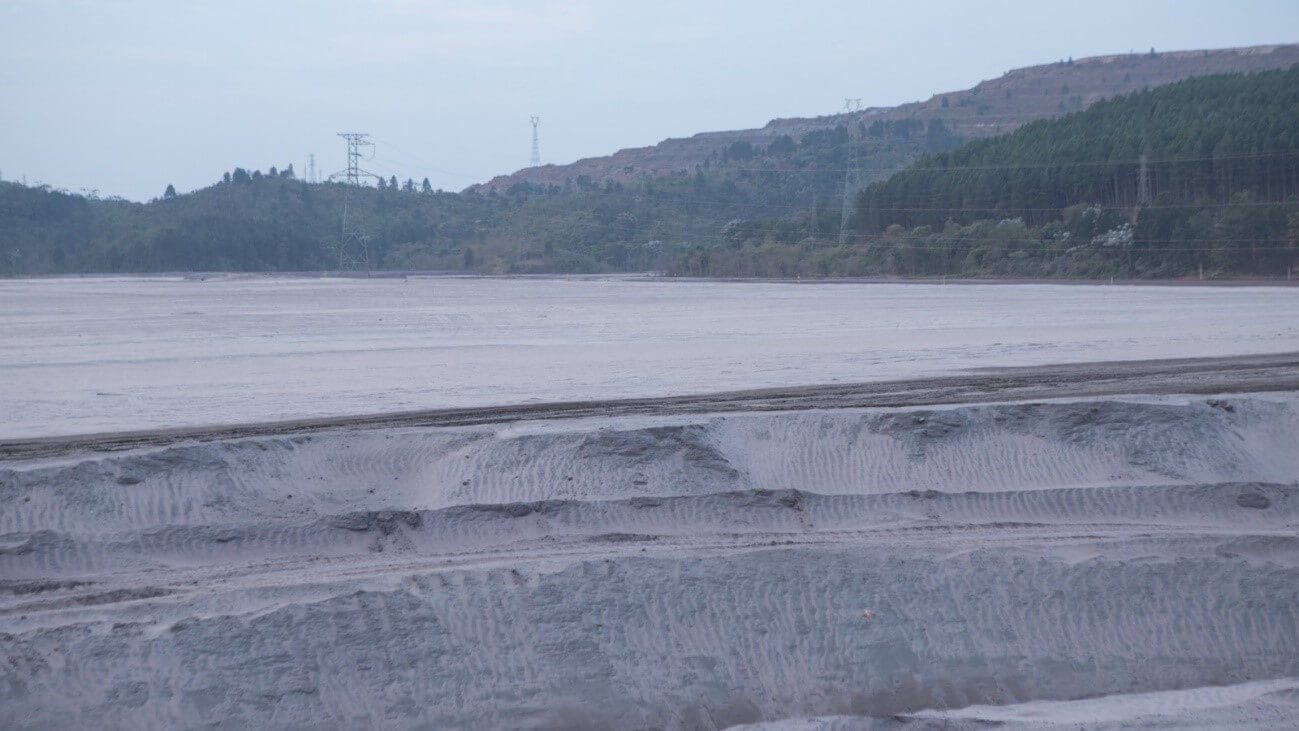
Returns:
<point x="1197" y="178"/>
<point x="1200" y="177"/>
<point x="1169" y="180"/>
<point x="1203" y="140"/>
<point x="252" y="220"/>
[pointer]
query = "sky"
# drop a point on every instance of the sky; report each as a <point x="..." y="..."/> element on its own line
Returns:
<point x="123" y="97"/>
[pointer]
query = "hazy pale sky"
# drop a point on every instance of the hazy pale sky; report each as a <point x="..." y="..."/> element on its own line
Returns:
<point x="126" y="96"/>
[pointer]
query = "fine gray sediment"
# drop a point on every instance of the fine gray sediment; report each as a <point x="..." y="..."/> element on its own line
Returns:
<point x="847" y="568"/>
<point x="1233" y="374"/>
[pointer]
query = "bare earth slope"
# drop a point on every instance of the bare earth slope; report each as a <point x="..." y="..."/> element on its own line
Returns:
<point x="664" y="565"/>
<point x="989" y="108"/>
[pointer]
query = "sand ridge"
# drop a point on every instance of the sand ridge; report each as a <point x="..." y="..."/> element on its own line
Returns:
<point x="1229" y="374"/>
<point x="679" y="570"/>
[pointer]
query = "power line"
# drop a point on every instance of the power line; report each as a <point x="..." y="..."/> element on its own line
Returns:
<point x="653" y="200"/>
<point x="949" y="115"/>
<point x="1276" y="154"/>
<point x="423" y="163"/>
<point x="963" y="209"/>
<point x="695" y="201"/>
<point x="927" y="243"/>
<point x="1143" y="182"/>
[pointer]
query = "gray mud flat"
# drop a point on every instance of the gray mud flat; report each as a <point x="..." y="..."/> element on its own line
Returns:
<point x="114" y="354"/>
<point x="1252" y="373"/>
<point x="1108" y="560"/>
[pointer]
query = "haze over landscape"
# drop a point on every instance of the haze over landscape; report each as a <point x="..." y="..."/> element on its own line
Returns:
<point x="127" y="97"/>
<point x="830" y="366"/>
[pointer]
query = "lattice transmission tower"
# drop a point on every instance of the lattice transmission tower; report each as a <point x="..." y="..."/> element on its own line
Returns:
<point x="850" y="176"/>
<point x="353" y="246"/>
<point x="1143" y="182"/>
<point x="536" y="141"/>
<point x="353" y="173"/>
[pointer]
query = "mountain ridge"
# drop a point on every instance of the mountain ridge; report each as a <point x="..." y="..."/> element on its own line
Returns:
<point x="991" y="107"/>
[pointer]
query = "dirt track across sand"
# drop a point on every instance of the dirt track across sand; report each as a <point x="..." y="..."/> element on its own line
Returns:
<point x="1238" y="374"/>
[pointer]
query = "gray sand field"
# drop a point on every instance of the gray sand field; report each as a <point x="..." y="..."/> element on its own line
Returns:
<point x="1106" y="545"/>
<point x="111" y="354"/>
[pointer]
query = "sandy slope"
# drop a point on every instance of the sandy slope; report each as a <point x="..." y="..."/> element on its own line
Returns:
<point x="1251" y="373"/>
<point x="667" y="571"/>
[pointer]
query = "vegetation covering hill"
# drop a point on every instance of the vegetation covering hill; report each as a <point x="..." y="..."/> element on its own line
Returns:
<point x="251" y="221"/>
<point x="990" y="108"/>
<point x="1056" y="198"/>
<point x="1200" y="176"/>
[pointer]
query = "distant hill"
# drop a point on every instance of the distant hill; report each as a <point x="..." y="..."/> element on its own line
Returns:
<point x="1197" y="177"/>
<point x="990" y="108"/>
<point x="763" y="202"/>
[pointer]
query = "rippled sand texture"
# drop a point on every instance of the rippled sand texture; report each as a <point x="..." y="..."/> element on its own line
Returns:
<point x="818" y="569"/>
<point x="99" y="355"/>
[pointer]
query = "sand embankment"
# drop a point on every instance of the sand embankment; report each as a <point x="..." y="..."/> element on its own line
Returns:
<point x="1253" y="373"/>
<point x="769" y="559"/>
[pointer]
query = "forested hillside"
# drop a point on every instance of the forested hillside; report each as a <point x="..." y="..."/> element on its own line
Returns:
<point x="1197" y="176"/>
<point x="991" y="107"/>
<point x="255" y="221"/>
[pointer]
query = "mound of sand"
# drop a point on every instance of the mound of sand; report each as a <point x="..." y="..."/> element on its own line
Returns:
<point x="829" y="568"/>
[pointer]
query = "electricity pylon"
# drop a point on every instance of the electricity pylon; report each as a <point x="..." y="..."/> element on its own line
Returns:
<point x="1143" y="183"/>
<point x="355" y="141"/>
<point x="850" y="177"/>
<point x="536" y="141"/>
<point x="353" y="246"/>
